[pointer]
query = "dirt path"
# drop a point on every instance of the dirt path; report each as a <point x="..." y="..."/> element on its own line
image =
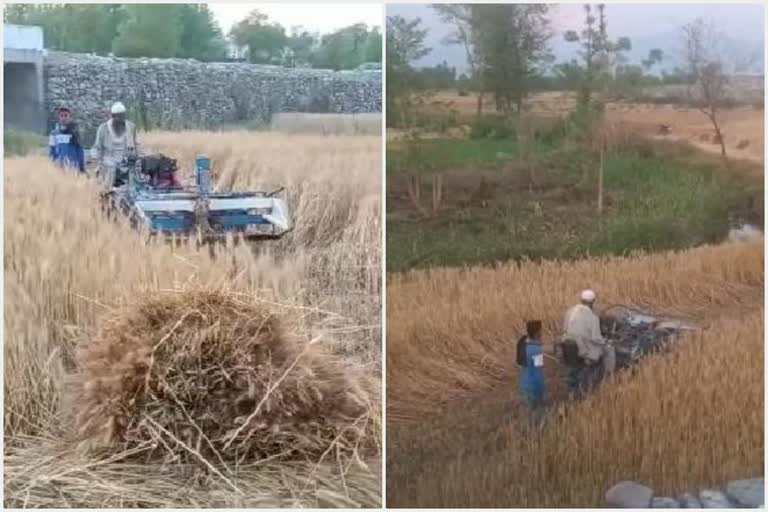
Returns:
<point x="743" y="127"/>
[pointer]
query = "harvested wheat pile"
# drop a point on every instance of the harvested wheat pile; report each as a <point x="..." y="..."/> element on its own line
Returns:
<point x="213" y="377"/>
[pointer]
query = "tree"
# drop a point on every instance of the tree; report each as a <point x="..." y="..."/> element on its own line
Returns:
<point x="264" y="40"/>
<point x="460" y="16"/>
<point x="200" y="37"/>
<point x="405" y="44"/>
<point x="598" y="53"/>
<point x="344" y="49"/>
<point x="433" y="78"/>
<point x="149" y="30"/>
<point x="374" y="45"/>
<point x="83" y="28"/>
<point x="601" y="59"/>
<point x="705" y="69"/>
<point x="511" y="41"/>
<point x="302" y="45"/>
<point x="655" y="56"/>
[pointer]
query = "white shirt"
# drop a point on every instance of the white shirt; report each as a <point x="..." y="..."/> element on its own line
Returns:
<point x="112" y="147"/>
<point x="582" y="325"/>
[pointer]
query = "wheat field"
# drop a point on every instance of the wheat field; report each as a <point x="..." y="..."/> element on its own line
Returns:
<point x="67" y="269"/>
<point x="457" y="434"/>
<point x="327" y="124"/>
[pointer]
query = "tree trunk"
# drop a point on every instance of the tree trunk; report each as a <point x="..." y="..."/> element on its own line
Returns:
<point x="437" y="192"/>
<point x="600" y="178"/>
<point x="479" y="105"/>
<point x="525" y="143"/>
<point x="718" y="134"/>
<point x="414" y="192"/>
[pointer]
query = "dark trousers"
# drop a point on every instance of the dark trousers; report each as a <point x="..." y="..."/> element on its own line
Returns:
<point x="583" y="378"/>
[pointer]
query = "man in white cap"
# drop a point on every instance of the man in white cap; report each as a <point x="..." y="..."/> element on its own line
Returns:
<point x="582" y="326"/>
<point x="115" y="140"/>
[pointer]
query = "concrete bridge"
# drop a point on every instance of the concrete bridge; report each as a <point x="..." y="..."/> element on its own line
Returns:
<point x="23" y="78"/>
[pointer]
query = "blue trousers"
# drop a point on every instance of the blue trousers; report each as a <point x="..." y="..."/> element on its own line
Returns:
<point x="536" y="406"/>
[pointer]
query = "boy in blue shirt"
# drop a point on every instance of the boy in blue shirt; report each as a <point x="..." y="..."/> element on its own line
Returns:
<point x="532" y="372"/>
<point x="64" y="144"/>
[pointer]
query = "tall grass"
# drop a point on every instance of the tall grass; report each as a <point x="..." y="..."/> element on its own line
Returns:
<point x="456" y="426"/>
<point x="65" y="266"/>
<point x="20" y="143"/>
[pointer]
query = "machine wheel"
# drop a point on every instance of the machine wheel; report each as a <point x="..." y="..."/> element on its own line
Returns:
<point x="108" y="205"/>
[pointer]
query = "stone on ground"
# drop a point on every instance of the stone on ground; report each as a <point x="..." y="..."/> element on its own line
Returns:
<point x="688" y="500"/>
<point x="664" y="502"/>
<point x="629" y="495"/>
<point x="747" y="493"/>
<point x="711" y="498"/>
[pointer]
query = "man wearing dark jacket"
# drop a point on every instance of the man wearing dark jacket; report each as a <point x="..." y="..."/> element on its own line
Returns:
<point x="64" y="143"/>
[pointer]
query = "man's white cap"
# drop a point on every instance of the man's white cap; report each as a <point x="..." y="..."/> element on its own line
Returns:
<point x="588" y="296"/>
<point x="118" y="108"/>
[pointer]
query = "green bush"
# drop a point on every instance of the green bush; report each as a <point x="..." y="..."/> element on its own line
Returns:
<point x="20" y="143"/>
<point x="492" y="127"/>
<point x="552" y="134"/>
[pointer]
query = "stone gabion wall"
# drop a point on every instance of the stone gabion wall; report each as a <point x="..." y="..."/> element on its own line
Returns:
<point x="180" y="93"/>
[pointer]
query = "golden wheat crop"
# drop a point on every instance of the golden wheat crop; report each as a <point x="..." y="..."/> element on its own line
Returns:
<point x="67" y="269"/>
<point x="327" y="124"/>
<point x="456" y="427"/>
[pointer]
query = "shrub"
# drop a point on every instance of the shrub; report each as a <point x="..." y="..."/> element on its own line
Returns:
<point x="20" y="143"/>
<point x="492" y="127"/>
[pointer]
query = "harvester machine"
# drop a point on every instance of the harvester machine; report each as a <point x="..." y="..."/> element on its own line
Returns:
<point x="148" y="192"/>
<point x="635" y="332"/>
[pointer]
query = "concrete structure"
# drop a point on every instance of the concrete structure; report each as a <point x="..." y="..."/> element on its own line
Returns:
<point x="23" y="78"/>
<point x="237" y="53"/>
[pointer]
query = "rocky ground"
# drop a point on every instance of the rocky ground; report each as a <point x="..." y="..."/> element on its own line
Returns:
<point x="748" y="493"/>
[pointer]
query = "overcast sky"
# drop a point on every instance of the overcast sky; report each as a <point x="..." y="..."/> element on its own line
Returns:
<point x="321" y="18"/>
<point x="647" y="25"/>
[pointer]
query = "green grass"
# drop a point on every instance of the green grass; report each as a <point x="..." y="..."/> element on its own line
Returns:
<point x="442" y="153"/>
<point x="661" y="200"/>
<point x="20" y="143"/>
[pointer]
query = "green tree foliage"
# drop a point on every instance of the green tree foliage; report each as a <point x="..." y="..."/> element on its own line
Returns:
<point x="84" y="28"/>
<point x="438" y="77"/>
<point x="599" y="54"/>
<point x="302" y="46"/>
<point x="655" y="56"/>
<point x="512" y="43"/>
<point x="150" y="30"/>
<point x="201" y="37"/>
<point x="405" y="44"/>
<point x="459" y="16"/>
<point x="265" y="40"/>
<point x="190" y="31"/>
<point x="346" y="48"/>
<point x="374" y="46"/>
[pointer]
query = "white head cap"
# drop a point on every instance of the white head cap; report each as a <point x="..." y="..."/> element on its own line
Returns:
<point x="118" y="108"/>
<point x="588" y="296"/>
